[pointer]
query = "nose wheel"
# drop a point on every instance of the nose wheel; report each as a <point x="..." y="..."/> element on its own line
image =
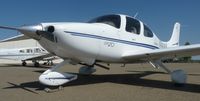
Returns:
<point x="52" y="78"/>
<point x="36" y="64"/>
<point x="49" y="90"/>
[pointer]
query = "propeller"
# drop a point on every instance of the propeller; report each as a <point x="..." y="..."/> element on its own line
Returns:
<point x="29" y="31"/>
<point x="34" y="31"/>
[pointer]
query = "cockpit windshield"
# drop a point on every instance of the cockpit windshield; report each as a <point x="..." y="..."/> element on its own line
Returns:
<point x="112" y="20"/>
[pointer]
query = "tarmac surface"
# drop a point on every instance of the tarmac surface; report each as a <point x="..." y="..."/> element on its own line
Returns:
<point x="135" y="82"/>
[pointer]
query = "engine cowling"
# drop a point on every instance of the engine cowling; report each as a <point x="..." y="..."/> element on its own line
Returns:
<point x="51" y="29"/>
<point x="56" y="78"/>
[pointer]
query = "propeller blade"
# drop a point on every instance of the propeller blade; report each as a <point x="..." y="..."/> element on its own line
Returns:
<point x="10" y="28"/>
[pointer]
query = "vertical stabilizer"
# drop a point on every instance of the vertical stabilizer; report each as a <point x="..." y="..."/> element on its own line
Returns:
<point x="174" y="40"/>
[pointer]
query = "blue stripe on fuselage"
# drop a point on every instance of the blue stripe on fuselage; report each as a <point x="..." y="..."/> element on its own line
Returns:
<point x="111" y="39"/>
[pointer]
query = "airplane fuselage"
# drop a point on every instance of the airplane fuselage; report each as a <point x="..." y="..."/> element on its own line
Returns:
<point x="97" y="41"/>
<point x="108" y="39"/>
<point x="22" y="53"/>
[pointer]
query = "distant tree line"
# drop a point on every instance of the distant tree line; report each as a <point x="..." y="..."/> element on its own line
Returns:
<point x="187" y="59"/>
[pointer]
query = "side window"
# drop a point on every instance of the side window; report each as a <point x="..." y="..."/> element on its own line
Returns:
<point x="37" y="50"/>
<point x="29" y="51"/>
<point x="147" y="32"/>
<point x="21" y="51"/>
<point x="132" y="25"/>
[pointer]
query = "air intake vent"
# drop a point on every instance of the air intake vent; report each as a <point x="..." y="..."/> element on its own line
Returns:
<point x="51" y="29"/>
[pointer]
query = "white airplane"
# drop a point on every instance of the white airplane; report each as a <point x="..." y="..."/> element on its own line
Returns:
<point x="34" y="54"/>
<point x="108" y="39"/>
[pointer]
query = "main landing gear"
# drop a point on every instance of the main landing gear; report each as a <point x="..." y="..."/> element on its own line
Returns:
<point x="36" y="64"/>
<point x="24" y="63"/>
<point x="49" y="63"/>
<point x="178" y="77"/>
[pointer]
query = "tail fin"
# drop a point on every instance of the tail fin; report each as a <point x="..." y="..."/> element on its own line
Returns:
<point x="174" y="40"/>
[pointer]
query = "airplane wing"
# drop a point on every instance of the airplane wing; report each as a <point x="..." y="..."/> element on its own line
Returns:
<point x="16" y="38"/>
<point x="27" y="57"/>
<point x="38" y="57"/>
<point x="181" y="51"/>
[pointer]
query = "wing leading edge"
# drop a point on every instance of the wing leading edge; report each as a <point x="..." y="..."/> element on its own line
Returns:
<point x="16" y="38"/>
<point x="190" y="50"/>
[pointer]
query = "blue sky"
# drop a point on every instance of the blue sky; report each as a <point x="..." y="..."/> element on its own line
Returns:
<point x="160" y="15"/>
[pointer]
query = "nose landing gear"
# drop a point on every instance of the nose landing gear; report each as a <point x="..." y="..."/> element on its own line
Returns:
<point x="53" y="78"/>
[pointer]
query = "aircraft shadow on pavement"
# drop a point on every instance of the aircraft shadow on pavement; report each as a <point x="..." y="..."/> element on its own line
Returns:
<point x="134" y="80"/>
<point x="25" y="86"/>
<point x="127" y="79"/>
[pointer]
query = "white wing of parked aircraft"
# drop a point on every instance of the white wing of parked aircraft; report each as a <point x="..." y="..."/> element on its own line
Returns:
<point x="110" y="39"/>
<point x="34" y="54"/>
<point x="16" y="38"/>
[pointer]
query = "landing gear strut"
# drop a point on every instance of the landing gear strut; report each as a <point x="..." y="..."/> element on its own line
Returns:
<point x="36" y="64"/>
<point x="178" y="77"/>
<point x="49" y="63"/>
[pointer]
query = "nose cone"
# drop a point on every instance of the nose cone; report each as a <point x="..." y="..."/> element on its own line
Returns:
<point x="31" y="30"/>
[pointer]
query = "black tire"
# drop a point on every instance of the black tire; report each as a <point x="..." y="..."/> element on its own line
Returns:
<point x="23" y="63"/>
<point x="36" y="64"/>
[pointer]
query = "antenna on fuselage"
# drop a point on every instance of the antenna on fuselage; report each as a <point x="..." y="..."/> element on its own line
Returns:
<point x="136" y="14"/>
